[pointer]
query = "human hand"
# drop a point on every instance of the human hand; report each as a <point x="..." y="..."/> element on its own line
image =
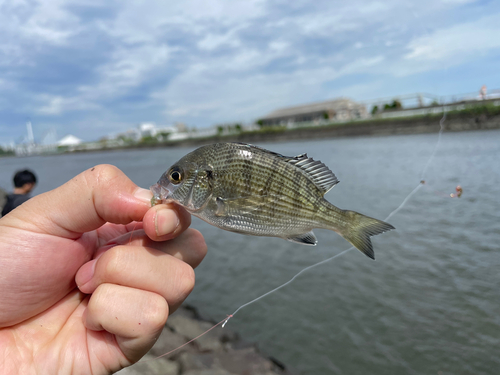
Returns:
<point x="133" y="265"/>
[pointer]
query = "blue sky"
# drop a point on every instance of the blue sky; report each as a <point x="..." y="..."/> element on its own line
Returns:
<point x="92" y="68"/>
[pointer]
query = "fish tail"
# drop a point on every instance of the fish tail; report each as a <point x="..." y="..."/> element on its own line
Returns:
<point x="359" y="228"/>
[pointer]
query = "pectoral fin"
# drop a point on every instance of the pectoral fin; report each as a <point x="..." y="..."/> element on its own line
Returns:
<point x="305" y="239"/>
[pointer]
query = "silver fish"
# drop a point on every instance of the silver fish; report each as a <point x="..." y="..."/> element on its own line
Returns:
<point x="247" y="189"/>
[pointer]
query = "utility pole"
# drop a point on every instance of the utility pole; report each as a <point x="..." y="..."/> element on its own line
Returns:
<point x="31" y="139"/>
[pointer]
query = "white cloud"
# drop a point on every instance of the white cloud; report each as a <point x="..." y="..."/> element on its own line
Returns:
<point x="213" y="41"/>
<point x="459" y="42"/>
<point x="212" y="61"/>
<point x="56" y="105"/>
<point x="127" y="69"/>
<point x="208" y="93"/>
<point x="45" y="21"/>
<point x="129" y="66"/>
<point x="459" y="2"/>
<point x="197" y="17"/>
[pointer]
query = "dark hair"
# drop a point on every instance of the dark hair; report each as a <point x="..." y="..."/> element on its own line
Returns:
<point x="24" y="177"/>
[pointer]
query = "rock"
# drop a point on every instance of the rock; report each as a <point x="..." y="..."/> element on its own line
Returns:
<point x="152" y="366"/>
<point x="190" y="329"/>
<point x="208" y="372"/>
<point x="169" y="341"/>
<point x="219" y="352"/>
<point x="246" y="361"/>
<point x="196" y="361"/>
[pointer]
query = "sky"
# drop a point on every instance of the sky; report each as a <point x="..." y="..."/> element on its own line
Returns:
<point x="95" y="68"/>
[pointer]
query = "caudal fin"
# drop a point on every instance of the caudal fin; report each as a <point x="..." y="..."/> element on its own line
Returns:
<point x="360" y="229"/>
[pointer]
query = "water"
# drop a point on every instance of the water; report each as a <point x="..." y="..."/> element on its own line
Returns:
<point x="429" y="303"/>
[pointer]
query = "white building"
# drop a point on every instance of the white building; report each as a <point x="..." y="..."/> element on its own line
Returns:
<point x="69" y="140"/>
<point x="341" y="109"/>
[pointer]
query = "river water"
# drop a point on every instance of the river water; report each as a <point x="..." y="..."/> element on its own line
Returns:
<point x="429" y="304"/>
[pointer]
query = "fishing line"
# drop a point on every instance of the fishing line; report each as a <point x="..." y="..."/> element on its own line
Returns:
<point x="223" y="322"/>
<point x="288" y="282"/>
<point x="438" y="143"/>
<point x="422" y="182"/>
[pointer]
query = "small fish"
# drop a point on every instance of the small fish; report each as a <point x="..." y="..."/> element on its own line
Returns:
<point x="246" y="189"/>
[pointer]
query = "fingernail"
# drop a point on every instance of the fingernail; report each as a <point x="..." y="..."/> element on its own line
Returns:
<point x="85" y="274"/>
<point x="143" y="194"/>
<point x="166" y="221"/>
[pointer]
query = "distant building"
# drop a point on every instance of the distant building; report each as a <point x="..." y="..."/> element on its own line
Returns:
<point x="147" y="129"/>
<point x="69" y="140"/>
<point x="436" y="108"/>
<point x="341" y="109"/>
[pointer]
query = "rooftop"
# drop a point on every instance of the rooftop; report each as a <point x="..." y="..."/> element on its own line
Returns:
<point x="312" y="107"/>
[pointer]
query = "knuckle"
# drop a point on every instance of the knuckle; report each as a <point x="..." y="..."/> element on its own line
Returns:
<point x="156" y="311"/>
<point x="101" y="174"/>
<point x="98" y="300"/>
<point x="113" y="262"/>
<point x="199" y="244"/>
<point x="186" y="280"/>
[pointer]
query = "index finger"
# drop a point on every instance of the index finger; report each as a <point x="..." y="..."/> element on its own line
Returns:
<point x="98" y="195"/>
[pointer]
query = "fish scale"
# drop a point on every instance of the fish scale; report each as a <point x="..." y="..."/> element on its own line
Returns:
<point x="250" y="190"/>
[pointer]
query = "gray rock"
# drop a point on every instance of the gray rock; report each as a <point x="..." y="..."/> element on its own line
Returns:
<point x="246" y="361"/>
<point x="190" y="329"/>
<point x="152" y="366"/>
<point x="169" y="341"/>
<point x="196" y="361"/>
<point x="219" y="352"/>
<point x="208" y="372"/>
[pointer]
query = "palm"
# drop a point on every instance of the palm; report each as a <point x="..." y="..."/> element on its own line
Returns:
<point x="54" y="273"/>
<point x="129" y="276"/>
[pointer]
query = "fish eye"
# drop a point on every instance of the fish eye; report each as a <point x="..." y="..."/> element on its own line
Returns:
<point x="175" y="175"/>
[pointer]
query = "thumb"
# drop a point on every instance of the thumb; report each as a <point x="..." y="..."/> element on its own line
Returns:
<point x="98" y="195"/>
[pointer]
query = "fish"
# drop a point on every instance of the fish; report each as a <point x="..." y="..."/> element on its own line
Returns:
<point x="247" y="189"/>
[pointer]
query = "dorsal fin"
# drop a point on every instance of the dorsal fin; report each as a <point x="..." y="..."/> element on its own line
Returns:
<point x="322" y="176"/>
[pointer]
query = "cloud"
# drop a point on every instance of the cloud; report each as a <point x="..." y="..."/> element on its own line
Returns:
<point x="451" y="46"/>
<point x="214" y="41"/>
<point x="44" y="22"/>
<point x="456" y="43"/>
<point x="207" y="93"/>
<point x="72" y="62"/>
<point x="56" y="105"/>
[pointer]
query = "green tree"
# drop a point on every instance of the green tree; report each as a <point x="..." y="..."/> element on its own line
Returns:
<point x="149" y="139"/>
<point x="396" y="104"/>
<point x="4" y="152"/>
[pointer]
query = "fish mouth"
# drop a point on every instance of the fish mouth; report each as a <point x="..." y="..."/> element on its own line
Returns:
<point x="161" y="194"/>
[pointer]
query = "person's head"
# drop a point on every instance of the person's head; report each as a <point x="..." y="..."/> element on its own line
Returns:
<point x="24" y="181"/>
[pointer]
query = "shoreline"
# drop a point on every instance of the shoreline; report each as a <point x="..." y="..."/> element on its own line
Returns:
<point x="399" y="126"/>
<point x="454" y="122"/>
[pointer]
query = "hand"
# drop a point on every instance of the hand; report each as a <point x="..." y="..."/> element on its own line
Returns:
<point x="133" y="265"/>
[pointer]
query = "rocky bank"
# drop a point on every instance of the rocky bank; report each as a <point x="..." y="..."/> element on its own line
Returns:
<point x="219" y="352"/>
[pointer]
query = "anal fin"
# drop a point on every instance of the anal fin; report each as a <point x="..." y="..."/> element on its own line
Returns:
<point x="305" y="238"/>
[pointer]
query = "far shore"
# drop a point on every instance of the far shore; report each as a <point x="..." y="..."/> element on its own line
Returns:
<point x="453" y="122"/>
<point x="419" y="125"/>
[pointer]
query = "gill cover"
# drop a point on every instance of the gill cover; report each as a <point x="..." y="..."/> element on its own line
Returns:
<point x="186" y="184"/>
